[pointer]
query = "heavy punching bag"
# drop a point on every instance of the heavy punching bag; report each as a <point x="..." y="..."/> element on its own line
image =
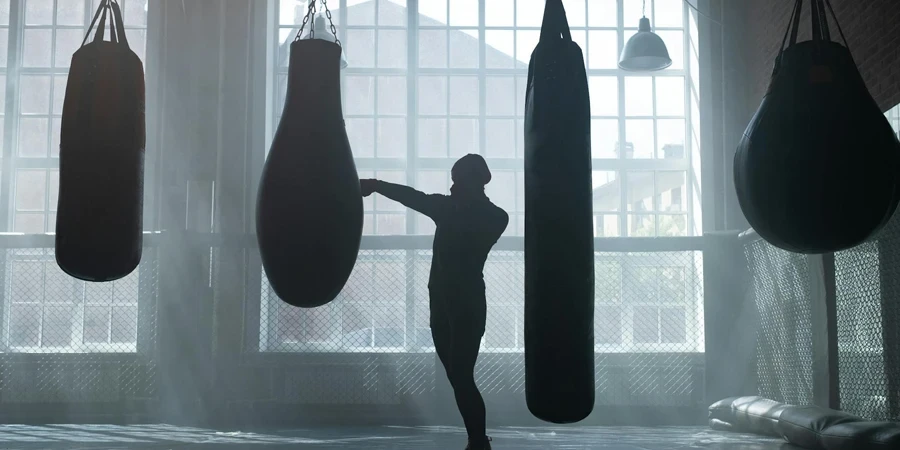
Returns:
<point x="99" y="217"/>
<point x="559" y="240"/>
<point x="817" y="168"/>
<point x="309" y="212"/>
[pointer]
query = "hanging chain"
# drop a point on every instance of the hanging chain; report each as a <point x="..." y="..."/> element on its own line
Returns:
<point x="644" y="9"/>
<point x="311" y="12"/>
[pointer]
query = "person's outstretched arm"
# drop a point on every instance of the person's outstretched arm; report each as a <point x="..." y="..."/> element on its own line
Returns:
<point x="428" y="204"/>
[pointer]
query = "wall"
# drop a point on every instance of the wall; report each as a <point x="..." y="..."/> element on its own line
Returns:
<point x="872" y="29"/>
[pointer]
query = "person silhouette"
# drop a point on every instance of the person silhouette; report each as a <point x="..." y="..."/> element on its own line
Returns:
<point x="467" y="227"/>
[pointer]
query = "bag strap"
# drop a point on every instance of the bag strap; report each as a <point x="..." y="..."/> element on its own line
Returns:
<point x="555" y="24"/>
<point x="793" y="26"/>
<point x="110" y="9"/>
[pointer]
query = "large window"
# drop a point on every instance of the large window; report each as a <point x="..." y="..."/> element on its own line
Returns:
<point x="44" y="309"/>
<point x="431" y="80"/>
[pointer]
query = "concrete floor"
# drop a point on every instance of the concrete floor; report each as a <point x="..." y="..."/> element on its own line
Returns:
<point x="52" y="437"/>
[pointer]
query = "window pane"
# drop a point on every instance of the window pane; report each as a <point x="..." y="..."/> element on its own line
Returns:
<point x="639" y="96"/>
<point x="36" y="48"/>
<point x="500" y="138"/>
<point x="134" y="11"/>
<point x="670" y="96"/>
<point x="29" y="223"/>
<point x="360" y="97"/>
<point x="124" y="325"/>
<point x="57" y="326"/>
<point x="359" y="12"/>
<point x="391" y="13"/>
<point x="607" y="325"/>
<point x="383" y="203"/>
<point x="640" y="192"/>
<point x="499" y="49"/>
<point x="604" y="93"/>
<point x="670" y="191"/>
<point x="432" y="49"/>
<point x="526" y="41"/>
<point x="670" y="138"/>
<point x="432" y="138"/>
<point x="432" y="95"/>
<point x="4" y="13"/>
<point x="606" y="225"/>
<point x="603" y="49"/>
<point x="68" y="41"/>
<point x="464" y="13"/>
<point x="31" y="190"/>
<point x="607" y="195"/>
<point x="639" y="139"/>
<point x="59" y="92"/>
<point x="360" y="48"/>
<point x="391" y="138"/>
<point x="4" y="47"/>
<point x="464" y="137"/>
<point x="499" y="13"/>
<point x="53" y="189"/>
<point x="633" y="10"/>
<point x="604" y="137"/>
<point x="675" y="43"/>
<point x="464" y="96"/>
<point x="392" y="49"/>
<point x="464" y="49"/>
<point x="40" y="12"/>
<point x="361" y="133"/>
<point x="672" y="225"/>
<point x="669" y="13"/>
<point x="96" y="324"/>
<point x="98" y="294"/>
<point x="34" y="91"/>
<point x="576" y="13"/>
<point x="126" y="289"/>
<point x="390" y="224"/>
<point x="646" y="325"/>
<point x="137" y="40"/>
<point x="529" y="13"/>
<point x="602" y="13"/>
<point x="502" y="189"/>
<point x="392" y="95"/>
<point x="25" y="325"/>
<point x="641" y="225"/>
<point x="433" y="12"/>
<point x="500" y="96"/>
<point x="673" y="326"/>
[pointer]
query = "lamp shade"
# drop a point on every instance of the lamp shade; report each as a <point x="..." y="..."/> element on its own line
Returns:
<point x="322" y="31"/>
<point x="645" y="51"/>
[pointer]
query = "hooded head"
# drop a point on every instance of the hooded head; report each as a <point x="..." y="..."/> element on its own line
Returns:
<point x="470" y="174"/>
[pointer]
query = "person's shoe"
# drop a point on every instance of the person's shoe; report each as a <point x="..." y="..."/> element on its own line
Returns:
<point x="482" y="444"/>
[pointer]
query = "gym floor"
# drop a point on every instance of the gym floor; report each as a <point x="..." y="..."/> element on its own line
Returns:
<point x="52" y="437"/>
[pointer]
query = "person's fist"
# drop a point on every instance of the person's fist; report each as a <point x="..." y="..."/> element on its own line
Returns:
<point x="367" y="186"/>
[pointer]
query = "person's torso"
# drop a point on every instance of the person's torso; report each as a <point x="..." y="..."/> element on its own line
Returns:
<point x="463" y="239"/>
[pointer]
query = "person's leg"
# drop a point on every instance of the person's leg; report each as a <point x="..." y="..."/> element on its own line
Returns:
<point x="466" y="337"/>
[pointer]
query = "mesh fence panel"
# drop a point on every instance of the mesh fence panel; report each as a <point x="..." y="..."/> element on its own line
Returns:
<point x="863" y="385"/>
<point x="90" y="341"/>
<point x="784" y="343"/>
<point x="648" y="329"/>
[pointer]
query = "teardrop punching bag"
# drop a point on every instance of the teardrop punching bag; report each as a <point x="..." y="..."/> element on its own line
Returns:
<point x="99" y="217"/>
<point x="817" y="168"/>
<point x="309" y="212"/>
<point x="559" y="240"/>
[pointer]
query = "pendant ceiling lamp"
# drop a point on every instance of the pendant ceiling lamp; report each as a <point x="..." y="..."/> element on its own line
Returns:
<point x="645" y="51"/>
<point x="320" y="31"/>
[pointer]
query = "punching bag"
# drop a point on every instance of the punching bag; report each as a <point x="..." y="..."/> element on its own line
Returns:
<point x="309" y="212"/>
<point x="559" y="240"/>
<point x="99" y="217"/>
<point x="817" y="168"/>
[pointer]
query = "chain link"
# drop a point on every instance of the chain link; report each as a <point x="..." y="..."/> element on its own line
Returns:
<point x="311" y="12"/>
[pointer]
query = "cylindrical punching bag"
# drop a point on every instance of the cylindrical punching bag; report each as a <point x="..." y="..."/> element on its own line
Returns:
<point x="309" y="211"/>
<point x="559" y="240"/>
<point x="99" y="217"/>
<point x="817" y="168"/>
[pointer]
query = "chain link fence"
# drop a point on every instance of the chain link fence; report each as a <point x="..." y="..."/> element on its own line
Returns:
<point x="86" y="342"/>
<point x="648" y="330"/>
<point x="784" y="341"/>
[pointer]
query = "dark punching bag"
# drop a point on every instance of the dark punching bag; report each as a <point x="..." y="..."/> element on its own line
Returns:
<point x="817" y="168"/>
<point x="99" y="217"/>
<point x="559" y="240"/>
<point x="309" y="211"/>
